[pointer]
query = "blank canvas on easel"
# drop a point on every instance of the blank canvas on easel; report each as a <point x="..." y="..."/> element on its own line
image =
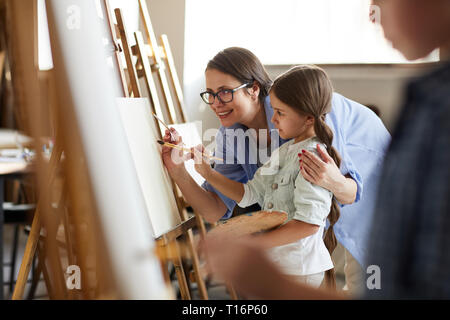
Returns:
<point x="190" y="132"/>
<point x="155" y="183"/>
<point x="88" y="84"/>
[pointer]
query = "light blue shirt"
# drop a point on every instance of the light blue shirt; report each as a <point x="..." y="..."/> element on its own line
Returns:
<point x="360" y="138"/>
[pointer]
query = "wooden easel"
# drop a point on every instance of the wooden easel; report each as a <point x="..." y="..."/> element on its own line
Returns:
<point x="81" y="202"/>
<point x="161" y="58"/>
<point x="34" y="237"/>
<point x="157" y="65"/>
<point x="27" y="92"/>
<point x="2" y="63"/>
<point x="168" y="240"/>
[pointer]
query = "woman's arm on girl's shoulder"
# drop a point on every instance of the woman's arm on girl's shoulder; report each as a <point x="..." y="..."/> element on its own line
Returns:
<point x="325" y="173"/>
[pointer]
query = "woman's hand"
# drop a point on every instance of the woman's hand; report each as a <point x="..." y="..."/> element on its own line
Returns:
<point x="326" y="174"/>
<point x="202" y="164"/>
<point x="173" y="158"/>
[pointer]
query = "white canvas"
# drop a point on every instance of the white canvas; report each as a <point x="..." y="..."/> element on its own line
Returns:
<point x="89" y="83"/>
<point x="191" y="138"/>
<point x="155" y="182"/>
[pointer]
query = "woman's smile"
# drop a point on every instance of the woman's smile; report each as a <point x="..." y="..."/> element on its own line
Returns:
<point x="224" y="114"/>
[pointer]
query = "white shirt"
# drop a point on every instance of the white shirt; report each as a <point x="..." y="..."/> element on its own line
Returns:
<point x="279" y="186"/>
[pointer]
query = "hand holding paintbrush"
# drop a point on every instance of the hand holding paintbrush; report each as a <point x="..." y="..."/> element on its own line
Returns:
<point x="174" y="161"/>
<point x="191" y="151"/>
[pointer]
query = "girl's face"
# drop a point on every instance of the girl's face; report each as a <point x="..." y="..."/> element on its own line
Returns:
<point x="289" y="122"/>
<point x="242" y="108"/>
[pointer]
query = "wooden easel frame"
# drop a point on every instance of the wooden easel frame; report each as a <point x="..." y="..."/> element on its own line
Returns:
<point x="28" y="97"/>
<point x="169" y="239"/>
<point x="116" y="50"/>
<point x="144" y="53"/>
<point x="34" y="237"/>
<point x="160" y="55"/>
<point x="45" y="216"/>
<point x="157" y="61"/>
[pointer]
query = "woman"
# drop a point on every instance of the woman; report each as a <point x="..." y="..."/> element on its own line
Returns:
<point x="237" y="91"/>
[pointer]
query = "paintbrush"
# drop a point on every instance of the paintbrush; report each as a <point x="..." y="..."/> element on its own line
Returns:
<point x="162" y="122"/>
<point x="170" y="145"/>
<point x="165" y="125"/>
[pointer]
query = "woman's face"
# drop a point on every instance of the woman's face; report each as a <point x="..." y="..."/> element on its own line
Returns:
<point x="241" y="109"/>
<point x="289" y="123"/>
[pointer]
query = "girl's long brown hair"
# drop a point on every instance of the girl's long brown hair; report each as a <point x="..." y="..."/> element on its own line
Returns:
<point x="308" y="90"/>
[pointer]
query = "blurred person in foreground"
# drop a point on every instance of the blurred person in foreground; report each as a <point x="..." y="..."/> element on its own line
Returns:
<point x="409" y="241"/>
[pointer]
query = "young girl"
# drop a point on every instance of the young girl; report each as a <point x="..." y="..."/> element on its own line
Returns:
<point x="300" y="98"/>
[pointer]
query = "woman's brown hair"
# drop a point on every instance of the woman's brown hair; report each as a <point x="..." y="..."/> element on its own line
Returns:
<point x="308" y="90"/>
<point x="243" y="65"/>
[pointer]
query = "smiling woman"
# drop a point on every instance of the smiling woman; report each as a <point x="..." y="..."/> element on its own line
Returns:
<point x="232" y="69"/>
<point x="239" y="81"/>
<point x="233" y="105"/>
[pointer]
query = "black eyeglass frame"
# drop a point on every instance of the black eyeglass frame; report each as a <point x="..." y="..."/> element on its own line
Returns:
<point x="216" y="95"/>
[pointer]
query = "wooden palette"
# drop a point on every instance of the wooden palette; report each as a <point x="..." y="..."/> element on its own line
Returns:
<point x="250" y="223"/>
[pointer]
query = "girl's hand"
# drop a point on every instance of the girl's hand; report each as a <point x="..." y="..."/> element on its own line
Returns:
<point x="322" y="172"/>
<point x="202" y="164"/>
<point x="173" y="158"/>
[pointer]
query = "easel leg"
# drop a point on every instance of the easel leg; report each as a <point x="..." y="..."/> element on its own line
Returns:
<point x="184" y="290"/>
<point x="30" y="250"/>
<point x="36" y="277"/>
<point x="12" y="273"/>
<point x="165" y="271"/>
<point x="231" y="291"/>
<point x="42" y="266"/>
<point x="196" y="265"/>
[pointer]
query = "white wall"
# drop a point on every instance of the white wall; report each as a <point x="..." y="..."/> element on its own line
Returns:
<point x="168" y="18"/>
<point x="380" y="85"/>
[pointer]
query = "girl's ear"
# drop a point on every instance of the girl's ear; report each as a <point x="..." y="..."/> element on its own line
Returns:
<point x="310" y="120"/>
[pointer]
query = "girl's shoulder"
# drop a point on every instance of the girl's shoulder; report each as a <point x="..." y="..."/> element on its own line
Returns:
<point x="287" y="154"/>
<point x="308" y="144"/>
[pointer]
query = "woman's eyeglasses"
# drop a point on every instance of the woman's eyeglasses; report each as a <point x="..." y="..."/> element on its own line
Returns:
<point x="224" y="96"/>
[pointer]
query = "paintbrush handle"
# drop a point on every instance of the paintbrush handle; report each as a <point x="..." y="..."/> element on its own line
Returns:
<point x="170" y="145"/>
<point x="162" y="122"/>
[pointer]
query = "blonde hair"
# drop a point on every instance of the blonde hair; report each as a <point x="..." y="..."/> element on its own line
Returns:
<point x="308" y="90"/>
